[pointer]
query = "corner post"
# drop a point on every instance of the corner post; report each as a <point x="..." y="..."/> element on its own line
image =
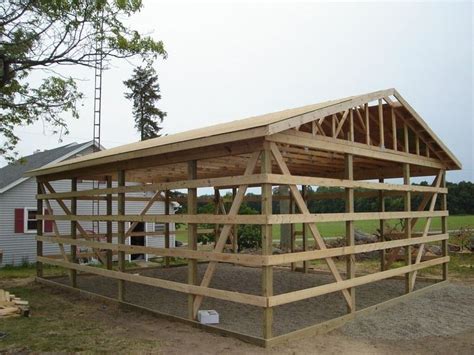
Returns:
<point x="350" y="237"/>
<point x="267" y="243"/>
<point x="39" y="232"/>
<point x="192" y="235"/>
<point x="121" y="233"/>
<point x="407" y="205"/>
<point x="235" y="228"/>
<point x="304" y="192"/>
<point x="444" y="226"/>
<point x="74" y="232"/>
<point x="383" y="252"/>
<point x="109" y="223"/>
<point x="167" y="226"/>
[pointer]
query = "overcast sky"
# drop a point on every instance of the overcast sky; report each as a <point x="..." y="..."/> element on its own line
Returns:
<point x="232" y="60"/>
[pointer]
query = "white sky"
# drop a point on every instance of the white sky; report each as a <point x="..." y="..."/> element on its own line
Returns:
<point x="230" y="60"/>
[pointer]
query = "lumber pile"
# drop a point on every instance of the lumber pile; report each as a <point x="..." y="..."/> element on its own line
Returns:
<point x="12" y="306"/>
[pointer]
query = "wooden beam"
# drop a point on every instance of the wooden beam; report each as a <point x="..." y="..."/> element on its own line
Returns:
<point x="73" y="231"/>
<point x="300" y="295"/>
<point x="121" y="234"/>
<point x="367" y="124"/>
<point x="304" y="139"/>
<point x="267" y="247"/>
<point x="350" y="241"/>
<point x="444" y="226"/>
<point x="382" y="227"/>
<point x="167" y="226"/>
<point x="232" y="296"/>
<point x="381" y="128"/>
<point x="192" y="234"/>
<point x="394" y="130"/>
<point x="109" y="233"/>
<point x="407" y="208"/>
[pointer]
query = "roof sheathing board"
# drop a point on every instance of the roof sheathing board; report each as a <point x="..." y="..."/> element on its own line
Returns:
<point x="252" y="127"/>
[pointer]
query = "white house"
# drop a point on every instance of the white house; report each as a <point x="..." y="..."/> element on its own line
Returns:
<point x="18" y="208"/>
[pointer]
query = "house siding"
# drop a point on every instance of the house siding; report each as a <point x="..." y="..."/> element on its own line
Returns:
<point x="21" y="247"/>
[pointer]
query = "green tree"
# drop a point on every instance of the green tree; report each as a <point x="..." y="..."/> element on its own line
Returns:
<point x="41" y="35"/>
<point x="144" y="93"/>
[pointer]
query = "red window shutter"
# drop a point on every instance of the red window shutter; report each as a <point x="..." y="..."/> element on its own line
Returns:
<point x="19" y="220"/>
<point x="48" y="225"/>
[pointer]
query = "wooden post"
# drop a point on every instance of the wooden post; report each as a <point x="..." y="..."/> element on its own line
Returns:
<point x="381" y="129"/>
<point x="408" y="249"/>
<point x="109" y="223"/>
<point x="235" y="228"/>
<point x="292" y="230"/>
<point x="167" y="226"/>
<point x="367" y="124"/>
<point x="350" y="237"/>
<point x="39" y="232"/>
<point x="121" y="232"/>
<point x="74" y="232"/>
<point x="383" y="252"/>
<point x="267" y="243"/>
<point x="444" y="226"/>
<point x="394" y="130"/>
<point x="305" y="231"/>
<point x="192" y="235"/>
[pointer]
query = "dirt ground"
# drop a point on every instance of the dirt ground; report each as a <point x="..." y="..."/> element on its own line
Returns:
<point x="438" y="322"/>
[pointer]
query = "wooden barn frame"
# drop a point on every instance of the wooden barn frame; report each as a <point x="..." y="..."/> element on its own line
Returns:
<point x="342" y="143"/>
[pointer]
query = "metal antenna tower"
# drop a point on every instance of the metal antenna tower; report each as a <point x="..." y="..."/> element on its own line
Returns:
<point x="97" y="117"/>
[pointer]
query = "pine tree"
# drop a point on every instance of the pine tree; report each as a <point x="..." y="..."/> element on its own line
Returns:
<point x="144" y="91"/>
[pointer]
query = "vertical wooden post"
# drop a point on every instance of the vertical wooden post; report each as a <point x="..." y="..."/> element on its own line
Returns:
<point x="408" y="249"/>
<point x="39" y="232"/>
<point x="74" y="232"/>
<point x="167" y="226"/>
<point x="121" y="232"/>
<point x="383" y="252"/>
<point x="381" y="129"/>
<point x="367" y="124"/>
<point x="235" y="228"/>
<point x="192" y="235"/>
<point x="108" y="210"/>
<point x="267" y="243"/>
<point x="444" y="226"/>
<point x="292" y="231"/>
<point x="394" y="130"/>
<point x="350" y="237"/>
<point x="217" y="206"/>
<point x="304" y="191"/>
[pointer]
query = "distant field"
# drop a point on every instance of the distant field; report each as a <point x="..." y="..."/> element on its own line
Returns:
<point x="334" y="229"/>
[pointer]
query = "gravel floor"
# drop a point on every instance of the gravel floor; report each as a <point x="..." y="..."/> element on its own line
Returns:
<point x="248" y="319"/>
<point x="444" y="312"/>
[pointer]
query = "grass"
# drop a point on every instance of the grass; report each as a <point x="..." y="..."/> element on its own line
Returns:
<point x="337" y="229"/>
<point x="62" y="322"/>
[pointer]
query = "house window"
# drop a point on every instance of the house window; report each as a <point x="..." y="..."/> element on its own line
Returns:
<point x="159" y="227"/>
<point x="30" y="220"/>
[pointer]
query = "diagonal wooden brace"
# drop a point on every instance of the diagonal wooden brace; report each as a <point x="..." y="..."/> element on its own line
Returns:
<point x="221" y="241"/>
<point x="312" y="227"/>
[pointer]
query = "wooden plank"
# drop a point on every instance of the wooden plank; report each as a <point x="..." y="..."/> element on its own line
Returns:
<point x="367" y="124"/>
<point x="121" y="234"/>
<point x="348" y="250"/>
<point x="252" y="219"/>
<point x="166" y="284"/>
<point x="73" y="231"/>
<point x="299" y="295"/>
<point x="254" y="179"/>
<point x="407" y="208"/>
<point x="444" y="227"/>
<point x="394" y="130"/>
<point x="167" y="226"/>
<point x="108" y="211"/>
<point x="267" y="247"/>
<point x="382" y="227"/>
<point x="241" y="259"/>
<point x="350" y="235"/>
<point x="304" y="139"/>
<point x="192" y="235"/>
<point x="381" y="128"/>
